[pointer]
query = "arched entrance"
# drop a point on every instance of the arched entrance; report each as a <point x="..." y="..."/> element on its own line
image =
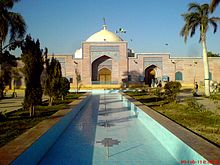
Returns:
<point x="101" y="70"/>
<point x="104" y="75"/>
<point x="150" y="74"/>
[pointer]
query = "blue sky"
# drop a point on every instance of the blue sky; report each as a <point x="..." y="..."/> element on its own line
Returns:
<point x="62" y="26"/>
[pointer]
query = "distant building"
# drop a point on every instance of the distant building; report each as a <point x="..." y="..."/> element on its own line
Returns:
<point x="105" y="58"/>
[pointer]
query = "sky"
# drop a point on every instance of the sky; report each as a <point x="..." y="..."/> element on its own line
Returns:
<point x="151" y="26"/>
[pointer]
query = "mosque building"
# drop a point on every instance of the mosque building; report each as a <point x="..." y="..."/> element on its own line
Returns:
<point x="104" y="58"/>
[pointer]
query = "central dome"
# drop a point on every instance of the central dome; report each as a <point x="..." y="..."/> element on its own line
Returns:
<point x="104" y="36"/>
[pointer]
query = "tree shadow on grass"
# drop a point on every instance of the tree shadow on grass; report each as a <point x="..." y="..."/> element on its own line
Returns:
<point x="150" y="99"/>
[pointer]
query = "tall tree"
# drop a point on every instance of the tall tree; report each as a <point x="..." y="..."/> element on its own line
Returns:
<point x="210" y="54"/>
<point x="213" y="5"/>
<point x="64" y="87"/>
<point x="16" y="76"/>
<point x="7" y="61"/>
<point x="198" y="17"/>
<point x="32" y="57"/>
<point x="53" y="80"/>
<point x="78" y="80"/>
<point x="10" y="23"/>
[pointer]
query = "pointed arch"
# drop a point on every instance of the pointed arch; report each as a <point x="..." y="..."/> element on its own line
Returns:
<point x="102" y="62"/>
<point x="150" y="74"/>
<point x="104" y="75"/>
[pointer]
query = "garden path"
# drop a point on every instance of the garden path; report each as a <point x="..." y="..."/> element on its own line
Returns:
<point x="211" y="105"/>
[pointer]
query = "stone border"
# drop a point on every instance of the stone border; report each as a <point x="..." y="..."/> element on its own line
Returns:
<point x="18" y="146"/>
<point x="199" y="144"/>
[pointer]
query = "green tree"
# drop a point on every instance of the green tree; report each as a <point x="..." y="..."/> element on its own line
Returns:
<point x="10" y="23"/>
<point x="32" y="57"/>
<point x="64" y="87"/>
<point x="210" y="54"/>
<point x="16" y="76"/>
<point x="171" y="89"/>
<point x="198" y="17"/>
<point x="53" y="80"/>
<point x="78" y="80"/>
<point x="213" y="5"/>
<point x="7" y="61"/>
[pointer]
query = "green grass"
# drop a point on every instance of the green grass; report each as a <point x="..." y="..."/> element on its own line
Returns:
<point x="195" y="118"/>
<point x="215" y="96"/>
<point x="19" y="121"/>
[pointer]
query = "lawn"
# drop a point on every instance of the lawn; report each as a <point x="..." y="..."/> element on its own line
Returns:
<point x="188" y="113"/>
<point x="19" y="121"/>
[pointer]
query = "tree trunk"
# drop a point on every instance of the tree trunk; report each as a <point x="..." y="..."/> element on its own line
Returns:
<point x="51" y="101"/>
<point x="206" y="68"/>
<point x="1" y="45"/>
<point x="1" y="90"/>
<point x="1" y="94"/>
<point x="31" y="110"/>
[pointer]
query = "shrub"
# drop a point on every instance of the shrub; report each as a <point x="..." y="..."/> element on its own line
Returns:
<point x="171" y="89"/>
<point x="3" y="116"/>
<point x="193" y="104"/>
<point x="158" y="92"/>
<point x="215" y="97"/>
<point x="64" y="87"/>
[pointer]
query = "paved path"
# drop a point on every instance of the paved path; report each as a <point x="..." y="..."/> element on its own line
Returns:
<point x="208" y="104"/>
<point x="12" y="104"/>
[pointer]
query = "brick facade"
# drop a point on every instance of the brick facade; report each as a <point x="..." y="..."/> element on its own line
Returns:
<point x="105" y="49"/>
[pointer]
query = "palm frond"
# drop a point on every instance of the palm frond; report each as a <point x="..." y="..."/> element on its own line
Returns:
<point x="193" y="29"/>
<point x="3" y="26"/>
<point x="8" y="4"/>
<point x="12" y="23"/>
<point x="191" y="24"/>
<point x="216" y="19"/>
<point x="214" y="25"/>
<point x="205" y="9"/>
<point x="193" y="7"/>
<point x="198" y="17"/>
<point x="213" y="5"/>
<point x="17" y="26"/>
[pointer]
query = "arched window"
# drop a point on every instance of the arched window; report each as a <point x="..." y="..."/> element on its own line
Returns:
<point x="210" y="76"/>
<point x="179" y="76"/>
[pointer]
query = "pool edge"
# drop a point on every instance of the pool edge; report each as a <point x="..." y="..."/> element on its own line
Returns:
<point x="197" y="143"/>
<point x="15" y="148"/>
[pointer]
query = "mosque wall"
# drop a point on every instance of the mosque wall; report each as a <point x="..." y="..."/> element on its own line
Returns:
<point x="86" y="64"/>
<point x="189" y="68"/>
<point x="104" y="49"/>
<point x="91" y="51"/>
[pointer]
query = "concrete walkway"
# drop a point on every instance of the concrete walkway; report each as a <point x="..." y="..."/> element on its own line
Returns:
<point x="13" y="104"/>
<point x="10" y="104"/>
<point x="208" y="104"/>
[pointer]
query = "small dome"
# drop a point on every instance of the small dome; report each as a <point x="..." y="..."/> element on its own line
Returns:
<point x="104" y="36"/>
<point x="78" y="53"/>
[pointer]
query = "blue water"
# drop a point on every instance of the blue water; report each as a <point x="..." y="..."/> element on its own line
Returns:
<point x="106" y="117"/>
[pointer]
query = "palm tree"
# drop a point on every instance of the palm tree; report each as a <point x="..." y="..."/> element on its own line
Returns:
<point x="10" y="22"/>
<point x="213" y="5"/>
<point x="198" y="17"/>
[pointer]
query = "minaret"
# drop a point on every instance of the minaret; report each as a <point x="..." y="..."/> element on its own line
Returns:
<point x="104" y="25"/>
